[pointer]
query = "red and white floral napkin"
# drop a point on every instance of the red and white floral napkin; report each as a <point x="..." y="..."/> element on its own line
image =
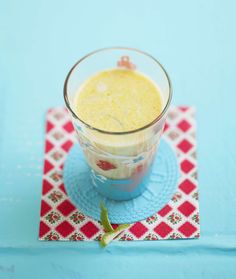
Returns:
<point x="61" y="220"/>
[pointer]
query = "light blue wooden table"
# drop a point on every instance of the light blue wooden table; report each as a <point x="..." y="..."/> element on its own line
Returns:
<point x="39" y="42"/>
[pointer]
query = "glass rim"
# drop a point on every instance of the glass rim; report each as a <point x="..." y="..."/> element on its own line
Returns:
<point x="159" y="117"/>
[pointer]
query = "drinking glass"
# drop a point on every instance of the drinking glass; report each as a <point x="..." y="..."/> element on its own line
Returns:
<point x="119" y="161"/>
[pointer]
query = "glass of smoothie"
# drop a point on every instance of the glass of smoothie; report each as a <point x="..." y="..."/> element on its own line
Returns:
<point x="118" y="99"/>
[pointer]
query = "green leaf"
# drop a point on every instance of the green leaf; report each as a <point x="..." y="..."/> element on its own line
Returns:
<point x="104" y="219"/>
<point x="109" y="236"/>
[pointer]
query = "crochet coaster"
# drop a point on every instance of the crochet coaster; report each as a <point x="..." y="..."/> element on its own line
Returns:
<point x="161" y="185"/>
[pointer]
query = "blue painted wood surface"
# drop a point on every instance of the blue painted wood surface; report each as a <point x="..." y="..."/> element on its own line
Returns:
<point x="39" y="42"/>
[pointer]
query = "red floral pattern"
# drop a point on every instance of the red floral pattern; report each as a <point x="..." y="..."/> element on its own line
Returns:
<point x="152" y="219"/>
<point x="76" y="237"/>
<point x="52" y="236"/>
<point x="174" y="218"/>
<point x="151" y="236"/>
<point x="125" y="62"/>
<point x="177" y="197"/>
<point x="77" y="217"/>
<point x="175" y="236"/>
<point x="59" y="220"/>
<point x="196" y="218"/>
<point x="105" y="165"/>
<point x="127" y="237"/>
<point x="53" y="217"/>
<point x="55" y="196"/>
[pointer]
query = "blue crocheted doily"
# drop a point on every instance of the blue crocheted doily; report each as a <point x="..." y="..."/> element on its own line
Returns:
<point x="161" y="187"/>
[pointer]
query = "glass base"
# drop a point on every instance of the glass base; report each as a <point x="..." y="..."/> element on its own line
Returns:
<point x="155" y="190"/>
<point x="121" y="189"/>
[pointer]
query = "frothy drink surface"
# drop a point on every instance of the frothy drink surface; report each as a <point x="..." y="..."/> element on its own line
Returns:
<point x="118" y="100"/>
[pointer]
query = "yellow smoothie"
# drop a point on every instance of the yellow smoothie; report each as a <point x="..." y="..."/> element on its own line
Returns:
<point x="118" y="100"/>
